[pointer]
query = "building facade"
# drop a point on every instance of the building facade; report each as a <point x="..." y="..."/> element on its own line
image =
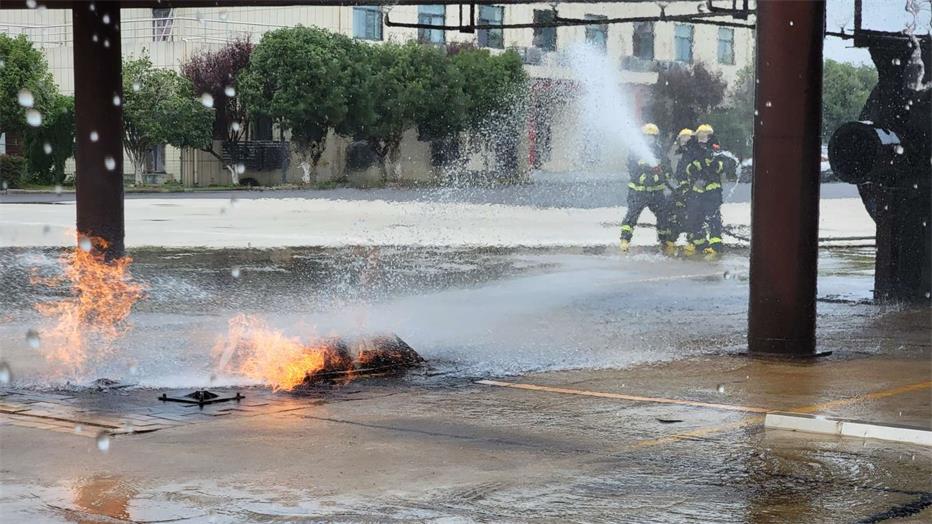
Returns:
<point x="171" y="36"/>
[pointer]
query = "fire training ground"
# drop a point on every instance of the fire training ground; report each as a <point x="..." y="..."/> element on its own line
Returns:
<point x="785" y="196"/>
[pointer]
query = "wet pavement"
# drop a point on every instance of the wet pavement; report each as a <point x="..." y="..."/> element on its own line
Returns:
<point x="436" y="445"/>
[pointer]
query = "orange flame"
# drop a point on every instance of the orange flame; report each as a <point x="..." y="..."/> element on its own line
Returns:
<point x="253" y="349"/>
<point x="93" y="316"/>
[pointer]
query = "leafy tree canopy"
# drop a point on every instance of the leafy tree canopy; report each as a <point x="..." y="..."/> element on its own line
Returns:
<point x="682" y="94"/>
<point x="160" y="107"/>
<point x="845" y="89"/>
<point x="23" y="67"/>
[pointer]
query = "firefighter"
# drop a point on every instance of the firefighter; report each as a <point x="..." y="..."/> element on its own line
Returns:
<point x="704" y="199"/>
<point x="646" y="189"/>
<point x="680" y="155"/>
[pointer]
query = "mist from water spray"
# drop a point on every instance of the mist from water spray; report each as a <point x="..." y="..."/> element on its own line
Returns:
<point x="605" y="112"/>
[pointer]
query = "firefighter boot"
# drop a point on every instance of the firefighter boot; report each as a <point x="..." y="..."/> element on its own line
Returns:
<point x="689" y="249"/>
<point x="669" y="248"/>
<point x="624" y="245"/>
<point x="710" y="253"/>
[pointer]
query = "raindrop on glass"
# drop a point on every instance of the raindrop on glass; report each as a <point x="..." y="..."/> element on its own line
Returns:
<point x="235" y="271"/>
<point x="726" y="275"/>
<point x="92" y="7"/>
<point x="94" y="37"/>
<point x="33" y="118"/>
<point x="756" y="112"/>
<point x="107" y="43"/>
<point x="58" y="190"/>
<point x="47" y="148"/>
<point x="928" y="294"/>
<point x="792" y="23"/>
<point x="105" y="19"/>
<point x="32" y="338"/>
<point x="720" y="388"/>
<point x="94" y="136"/>
<point x="886" y="208"/>
<point x="207" y="99"/>
<point x="85" y="244"/>
<point x="25" y="98"/>
<point x="240" y="168"/>
<point x="103" y="441"/>
<point x="136" y="87"/>
<point x="898" y="149"/>
<point x="235" y="127"/>
<point x="116" y="100"/>
<point x="31" y="4"/>
<point x="768" y="104"/>
<point x="109" y="163"/>
<point x="229" y="91"/>
<point x="223" y="15"/>
<point x="895" y="61"/>
<point x="78" y="428"/>
<point x="915" y="186"/>
<point x="5" y="374"/>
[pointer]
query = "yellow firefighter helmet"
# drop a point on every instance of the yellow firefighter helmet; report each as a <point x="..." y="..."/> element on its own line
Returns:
<point x="685" y="132"/>
<point x="705" y="128"/>
<point x="650" y="129"/>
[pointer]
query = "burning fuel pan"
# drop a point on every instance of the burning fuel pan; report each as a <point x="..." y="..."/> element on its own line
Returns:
<point x="348" y="358"/>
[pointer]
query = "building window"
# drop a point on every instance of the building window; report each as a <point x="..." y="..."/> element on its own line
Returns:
<point x="155" y="160"/>
<point x="162" y="20"/>
<point x="643" y="40"/>
<point x="597" y="35"/>
<point x="431" y="15"/>
<point x="490" y="15"/>
<point x="545" y="37"/>
<point x="367" y="23"/>
<point x="683" y="43"/>
<point x="726" y="46"/>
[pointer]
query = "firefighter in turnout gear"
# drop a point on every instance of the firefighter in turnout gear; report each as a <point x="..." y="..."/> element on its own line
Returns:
<point x="681" y="155"/>
<point x="704" y="200"/>
<point x="646" y="190"/>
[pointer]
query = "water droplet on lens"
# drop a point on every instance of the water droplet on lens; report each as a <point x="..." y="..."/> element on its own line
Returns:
<point x="235" y="127"/>
<point x="103" y="441"/>
<point x="107" y="42"/>
<point x="32" y="338"/>
<point x="6" y="376"/>
<point x="235" y="271"/>
<point x="136" y="87"/>
<point x="47" y="148"/>
<point x="85" y="244"/>
<point x="240" y="168"/>
<point x="94" y="136"/>
<point x="116" y="100"/>
<point x="792" y="23"/>
<point x="109" y="163"/>
<point x="756" y="112"/>
<point x="207" y="99"/>
<point x="927" y="294"/>
<point x="94" y="37"/>
<point x="229" y="91"/>
<point x="895" y="61"/>
<point x="25" y="98"/>
<point x="768" y="103"/>
<point x="33" y="118"/>
<point x="898" y="149"/>
<point x="726" y="275"/>
<point x="78" y="428"/>
<point x="105" y="19"/>
<point x="58" y="190"/>
<point x="31" y="4"/>
<point x="720" y="388"/>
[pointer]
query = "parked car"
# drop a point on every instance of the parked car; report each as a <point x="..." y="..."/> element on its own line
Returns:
<point x="746" y="169"/>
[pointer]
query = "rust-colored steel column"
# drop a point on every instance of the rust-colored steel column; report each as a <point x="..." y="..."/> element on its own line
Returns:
<point x="98" y="95"/>
<point x="785" y="190"/>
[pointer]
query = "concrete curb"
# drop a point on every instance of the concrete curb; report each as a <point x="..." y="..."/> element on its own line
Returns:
<point x="848" y="428"/>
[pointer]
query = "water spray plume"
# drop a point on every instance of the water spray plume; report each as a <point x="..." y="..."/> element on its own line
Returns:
<point x="101" y="296"/>
<point x="605" y="109"/>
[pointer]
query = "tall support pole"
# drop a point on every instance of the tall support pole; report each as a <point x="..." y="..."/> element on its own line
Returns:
<point x="98" y="96"/>
<point x="785" y="191"/>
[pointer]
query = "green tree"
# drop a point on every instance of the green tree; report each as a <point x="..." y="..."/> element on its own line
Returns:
<point x="493" y="82"/>
<point x="308" y="81"/>
<point x="23" y="69"/>
<point x="160" y="107"/>
<point x="49" y="146"/>
<point x="845" y="89"/>
<point x="734" y="121"/>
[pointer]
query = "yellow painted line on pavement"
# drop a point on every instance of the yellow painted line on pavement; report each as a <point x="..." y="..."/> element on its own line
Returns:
<point x="720" y="428"/>
<point x="619" y="396"/>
